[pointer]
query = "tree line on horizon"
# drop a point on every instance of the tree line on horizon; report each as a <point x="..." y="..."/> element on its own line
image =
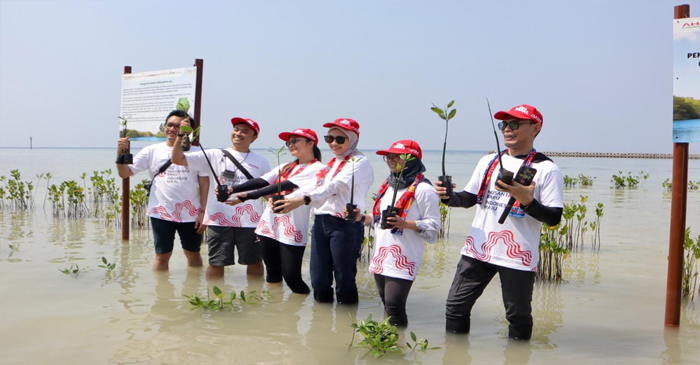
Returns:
<point x="685" y="108"/>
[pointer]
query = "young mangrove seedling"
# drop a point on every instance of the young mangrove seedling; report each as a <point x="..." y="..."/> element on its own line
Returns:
<point x="378" y="338"/>
<point x="124" y="158"/>
<point x="72" y="270"/>
<point x="184" y="105"/>
<point x="447" y="114"/>
<point x="107" y="265"/>
<point x="390" y="210"/>
<point x="221" y="190"/>
<point x="278" y="152"/>
<point x="420" y="344"/>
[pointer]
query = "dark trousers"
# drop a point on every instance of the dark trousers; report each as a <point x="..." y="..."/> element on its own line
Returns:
<point x="335" y="248"/>
<point x="283" y="261"/>
<point x="394" y="293"/>
<point x="471" y="279"/>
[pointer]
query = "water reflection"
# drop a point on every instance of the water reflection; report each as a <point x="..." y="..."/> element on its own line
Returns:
<point x="547" y="313"/>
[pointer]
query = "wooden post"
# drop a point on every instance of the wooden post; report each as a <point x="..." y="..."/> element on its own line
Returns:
<point x="679" y="200"/>
<point x="199" y="63"/>
<point x="125" y="191"/>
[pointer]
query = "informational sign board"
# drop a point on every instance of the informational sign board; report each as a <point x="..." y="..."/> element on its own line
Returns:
<point x="148" y="97"/>
<point x="686" y="80"/>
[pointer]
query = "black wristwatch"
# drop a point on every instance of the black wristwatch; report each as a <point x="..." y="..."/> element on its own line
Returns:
<point x="307" y="200"/>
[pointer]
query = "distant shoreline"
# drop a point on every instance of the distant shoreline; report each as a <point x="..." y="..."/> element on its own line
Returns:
<point x="618" y="155"/>
<point x="548" y="153"/>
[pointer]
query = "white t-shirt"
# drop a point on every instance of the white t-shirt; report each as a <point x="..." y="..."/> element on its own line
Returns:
<point x="334" y="193"/>
<point x="175" y="192"/>
<point x="401" y="255"/>
<point x="515" y="243"/>
<point x="246" y="214"/>
<point x="291" y="228"/>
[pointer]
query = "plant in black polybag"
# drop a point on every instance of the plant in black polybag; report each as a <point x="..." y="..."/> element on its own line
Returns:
<point x="124" y="158"/>
<point x="221" y="190"/>
<point x="390" y="210"/>
<point x="277" y="197"/>
<point x="447" y="114"/>
<point x="184" y="105"/>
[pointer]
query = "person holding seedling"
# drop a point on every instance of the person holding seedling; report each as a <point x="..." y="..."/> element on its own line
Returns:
<point x="505" y="241"/>
<point x="402" y="226"/>
<point x="283" y="237"/>
<point x="229" y="227"/>
<point x="176" y="195"/>
<point x="335" y="241"/>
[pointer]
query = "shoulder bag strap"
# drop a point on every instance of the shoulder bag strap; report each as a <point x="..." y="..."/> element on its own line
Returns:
<point x="238" y="164"/>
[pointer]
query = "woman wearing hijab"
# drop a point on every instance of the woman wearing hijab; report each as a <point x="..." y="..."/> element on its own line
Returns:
<point x="398" y="250"/>
<point x="335" y="242"/>
<point x="283" y="237"/>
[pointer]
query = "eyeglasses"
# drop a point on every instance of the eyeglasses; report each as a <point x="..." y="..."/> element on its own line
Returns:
<point x="338" y="139"/>
<point x="513" y="124"/>
<point x="391" y="157"/>
<point x="292" y="141"/>
<point x="172" y="125"/>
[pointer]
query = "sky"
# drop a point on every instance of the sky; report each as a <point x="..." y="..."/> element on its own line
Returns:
<point x="601" y="72"/>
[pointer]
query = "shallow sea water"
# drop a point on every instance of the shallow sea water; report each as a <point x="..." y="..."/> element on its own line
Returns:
<point x="609" y="309"/>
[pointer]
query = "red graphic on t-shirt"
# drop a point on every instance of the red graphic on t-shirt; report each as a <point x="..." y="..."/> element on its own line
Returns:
<point x="254" y="217"/>
<point x="191" y="209"/>
<point x="163" y="214"/>
<point x="513" y="248"/>
<point x="289" y="230"/>
<point x="401" y="260"/>
<point x="219" y="219"/>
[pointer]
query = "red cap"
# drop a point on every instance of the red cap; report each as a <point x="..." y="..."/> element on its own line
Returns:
<point x="523" y="111"/>
<point x="302" y="132"/>
<point x="402" y="147"/>
<point x="345" y="123"/>
<point x="251" y="123"/>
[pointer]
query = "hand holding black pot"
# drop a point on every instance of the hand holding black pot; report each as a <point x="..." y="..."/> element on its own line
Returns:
<point x="442" y="191"/>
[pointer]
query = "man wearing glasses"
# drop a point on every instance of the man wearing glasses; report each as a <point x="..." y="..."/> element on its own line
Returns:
<point x="510" y="248"/>
<point x="177" y="195"/>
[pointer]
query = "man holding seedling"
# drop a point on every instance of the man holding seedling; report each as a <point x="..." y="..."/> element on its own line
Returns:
<point x="230" y="227"/>
<point x="177" y="195"/>
<point x="505" y="233"/>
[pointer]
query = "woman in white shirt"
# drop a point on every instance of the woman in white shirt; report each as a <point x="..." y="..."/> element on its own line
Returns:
<point x="398" y="249"/>
<point x="283" y="237"/>
<point x="335" y="242"/>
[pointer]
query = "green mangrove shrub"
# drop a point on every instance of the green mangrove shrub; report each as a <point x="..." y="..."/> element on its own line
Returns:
<point x="690" y="266"/>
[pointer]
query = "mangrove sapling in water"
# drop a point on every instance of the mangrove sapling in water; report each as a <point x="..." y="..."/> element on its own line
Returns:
<point x="447" y="114"/>
<point x="219" y="302"/>
<point x="124" y="157"/>
<point x="420" y="344"/>
<point x="390" y="210"/>
<point x="586" y="180"/>
<point x="595" y="226"/>
<point x="139" y="205"/>
<point x="445" y="212"/>
<point x="72" y="270"/>
<point x="278" y="196"/>
<point x="221" y="190"/>
<point x="630" y="181"/>
<point x="107" y="265"/>
<point x="570" y="182"/>
<point x="690" y="266"/>
<point x="379" y="338"/>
